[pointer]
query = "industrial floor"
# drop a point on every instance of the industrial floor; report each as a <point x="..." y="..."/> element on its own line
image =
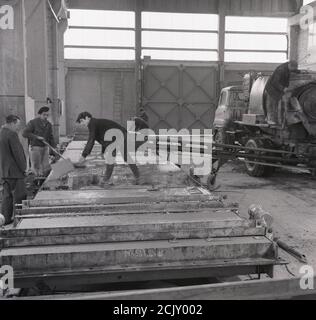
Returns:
<point x="290" y="196"/>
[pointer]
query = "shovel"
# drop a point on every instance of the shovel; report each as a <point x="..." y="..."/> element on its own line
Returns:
<point x="61" y="167"/>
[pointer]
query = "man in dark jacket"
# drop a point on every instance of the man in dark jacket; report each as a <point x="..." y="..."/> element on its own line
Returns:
<point x="97" y="129"/>
<point x="38" y="130"/>
<point x="12" y="167"/>
<point x="276" y="87"/>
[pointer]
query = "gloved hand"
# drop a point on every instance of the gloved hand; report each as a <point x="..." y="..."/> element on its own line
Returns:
<point x="40" y="138"/>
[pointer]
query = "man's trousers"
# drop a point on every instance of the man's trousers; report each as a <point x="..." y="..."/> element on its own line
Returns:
<point x="14" y="192"/>
<point x="127" y="159"/>
<point x="40" y="160"/>
<point x="271" y="108"/>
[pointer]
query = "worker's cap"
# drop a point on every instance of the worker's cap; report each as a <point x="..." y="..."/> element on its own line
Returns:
<point x="43" y="109"/>
<point x="12" y="119"/>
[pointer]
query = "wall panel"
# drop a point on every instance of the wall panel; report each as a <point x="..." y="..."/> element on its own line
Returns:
<point x="11" y="68"/>
<point x="105" y="93"/>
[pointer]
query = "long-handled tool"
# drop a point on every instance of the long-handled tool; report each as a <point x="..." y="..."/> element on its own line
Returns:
<point x="61" y="167"/>
<point x="290" y="250"/>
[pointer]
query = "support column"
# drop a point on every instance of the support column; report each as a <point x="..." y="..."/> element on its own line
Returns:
<point x="61" y="76"/>
<point x="138" y="53"/>
<point x="56" y="71"/>
<point x="12" y="86"/>
<point x="293" y="36"/>
<point x="44" y="57"/>
<point x="221" y="43"/>
<point x="36" y="55"/>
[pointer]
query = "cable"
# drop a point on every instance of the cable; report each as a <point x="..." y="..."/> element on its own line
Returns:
<point x="289" y="271"/>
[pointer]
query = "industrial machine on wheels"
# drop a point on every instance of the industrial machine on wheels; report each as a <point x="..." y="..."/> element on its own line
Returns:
<point x="241" y="131"/>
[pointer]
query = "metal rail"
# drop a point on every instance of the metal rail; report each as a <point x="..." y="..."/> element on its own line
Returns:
<point x="252" y="149"/>
<point x="260" y="156"/>
<point x="273" y="158"/>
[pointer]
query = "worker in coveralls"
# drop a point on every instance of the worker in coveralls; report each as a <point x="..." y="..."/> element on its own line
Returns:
<point x="276" y="87"/>
<point x="12" y="167"/>
<point x="37" y="131"/>
<point x="97" y="129"/>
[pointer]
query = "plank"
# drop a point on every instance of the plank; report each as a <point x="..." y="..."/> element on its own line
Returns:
<point x="147" y="272"/>
<point x="103" y="234"/>
<point x="278" y="289"/>
<point x="139" y="252"/>
<point x="136" y="227"/>
<point x="131" y="208"/>
<point x="85" y="197"/>
<point x="211" y="219"/>
<point x="134" y="193"/>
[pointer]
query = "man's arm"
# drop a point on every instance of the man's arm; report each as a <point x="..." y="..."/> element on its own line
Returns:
<point x="277" y="80"/>
<point x="17" y="152"/>
<point x="89" y="146"/>
<point x="51" y="136"/>
<point x="28" y="132"/>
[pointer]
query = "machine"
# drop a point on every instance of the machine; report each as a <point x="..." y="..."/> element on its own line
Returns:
<point x="240" y="129"/>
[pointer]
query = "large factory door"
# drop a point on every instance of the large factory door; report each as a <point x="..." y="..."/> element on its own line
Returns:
<point x="179" y="96"/>
<point x="104" y="92"/>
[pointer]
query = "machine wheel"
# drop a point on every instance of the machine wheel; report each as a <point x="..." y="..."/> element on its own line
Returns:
<point x="257" y="170"/>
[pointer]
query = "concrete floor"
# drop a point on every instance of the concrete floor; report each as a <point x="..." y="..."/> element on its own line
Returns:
<point x="290" y="197"/>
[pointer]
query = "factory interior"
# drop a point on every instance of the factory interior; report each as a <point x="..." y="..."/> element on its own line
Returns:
<point x="210" y="194"/>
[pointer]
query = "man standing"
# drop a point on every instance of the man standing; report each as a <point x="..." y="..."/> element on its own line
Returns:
<point x="12" y="167"/>
<point x="276" y="87"/>
<point x="97" y="129"/>
<point x="37" y="131"/>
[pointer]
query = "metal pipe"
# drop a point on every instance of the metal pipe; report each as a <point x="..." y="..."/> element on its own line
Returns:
<point x="263" y="157"/>
<point x="290" y="250"/>
<point x="252" y="149"/>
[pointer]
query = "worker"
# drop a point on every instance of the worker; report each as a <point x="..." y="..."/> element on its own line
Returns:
<point x="140" y="124"/>
<point x="276" y="87"/>
<point x="12" y="167"/>
<point x="37" y="131"/>
<point x="97" y="129"/>
<point x="143" y="115"/>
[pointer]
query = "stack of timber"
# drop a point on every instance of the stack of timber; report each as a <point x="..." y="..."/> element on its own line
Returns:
<point x="165" y="228"/>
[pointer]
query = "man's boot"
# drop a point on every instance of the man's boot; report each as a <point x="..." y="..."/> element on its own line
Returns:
<point x="135" y="171"/>
<point x="106" y="179"/>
